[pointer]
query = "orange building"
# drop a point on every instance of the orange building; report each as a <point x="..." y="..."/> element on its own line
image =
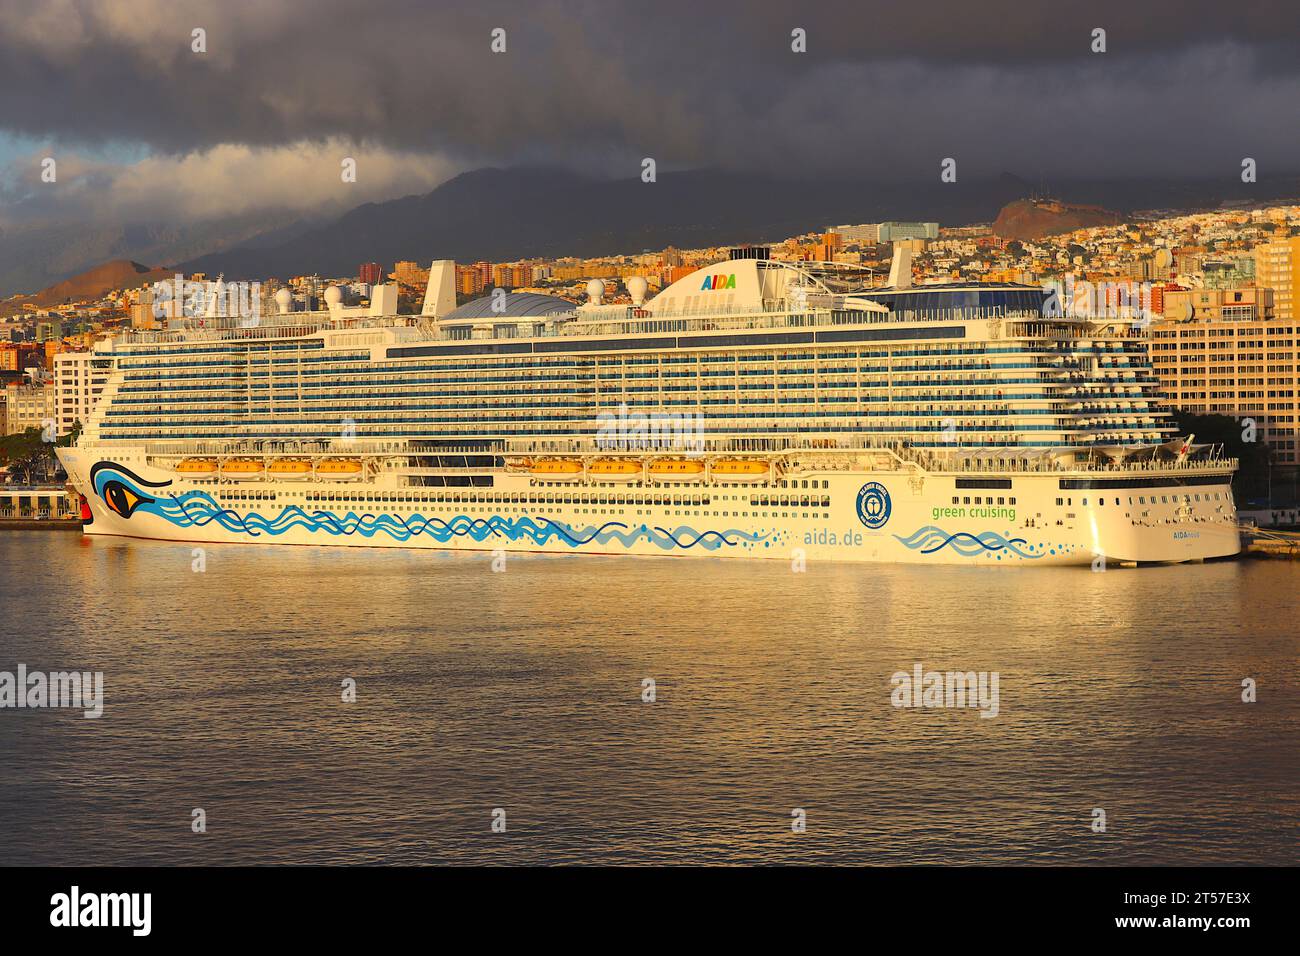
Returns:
<point x="1231" y="366"/>
<point x="16" y="356"/>
<point x="1158" y="295"/>
<point x="469" y="280"/>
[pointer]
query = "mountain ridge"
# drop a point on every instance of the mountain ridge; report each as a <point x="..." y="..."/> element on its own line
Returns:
<point x="522" y="212"/>
<point x="506" y="214"/>
<point x="93" y="284"/>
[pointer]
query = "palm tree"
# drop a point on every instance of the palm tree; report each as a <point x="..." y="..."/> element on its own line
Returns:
<point x="29" y="458"/>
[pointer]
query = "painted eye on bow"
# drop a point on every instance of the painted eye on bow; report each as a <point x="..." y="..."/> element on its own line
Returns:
<point x="122" y="500"/>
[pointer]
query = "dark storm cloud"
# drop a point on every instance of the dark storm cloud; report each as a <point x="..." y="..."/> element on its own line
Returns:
<point x="1186" y="88"/>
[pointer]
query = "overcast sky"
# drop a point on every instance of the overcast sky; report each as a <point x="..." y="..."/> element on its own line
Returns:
<point x="140" y="125"/>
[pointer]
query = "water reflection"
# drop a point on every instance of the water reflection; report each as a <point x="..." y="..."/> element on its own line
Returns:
<point x="522" y="690"/>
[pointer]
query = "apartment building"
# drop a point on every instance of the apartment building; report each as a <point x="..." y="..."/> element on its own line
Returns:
<point x="1249" y="304"/>
<point x="28" y="406"/>
<point x="1246" y="369"/>
<point x="1275" y="268"/>
<point x="79" y="379"/>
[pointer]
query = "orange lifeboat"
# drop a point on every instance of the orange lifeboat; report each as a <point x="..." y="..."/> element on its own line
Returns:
<point x="556" y="468"/>
<point x="290" y="469"/>
<point x="339" y="469"/>
<point x="243" y="469"/>
<point x="614" y="469"/>
<point x="740" y="469"/>
<point x="676" y="469"/>
<point x="197" y="467"/>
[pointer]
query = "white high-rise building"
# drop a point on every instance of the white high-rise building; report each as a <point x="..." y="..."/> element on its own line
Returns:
<point x="79" y="379"/>
<point x="867" y="233"/>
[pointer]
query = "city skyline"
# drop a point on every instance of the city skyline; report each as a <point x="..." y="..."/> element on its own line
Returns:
<point x="1218" y="271"/>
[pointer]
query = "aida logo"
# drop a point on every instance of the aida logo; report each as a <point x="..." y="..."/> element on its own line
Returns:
<point x="712" y="283"/>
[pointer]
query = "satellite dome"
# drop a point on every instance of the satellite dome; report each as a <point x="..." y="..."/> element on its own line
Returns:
<point x="284" y="299"/>
<point x="595" y="289"/>
<point x="333" y="296"/>
<point x="637" y="288"/>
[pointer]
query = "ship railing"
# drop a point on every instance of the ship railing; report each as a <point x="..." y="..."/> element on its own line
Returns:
<point x="1032" y="461"/>
<point x="266" y="326"/>
<point x="774" y="313"/>
<point x="778" y="314"/>
<point x="257" y="447"/>
<point x="465" y="469"/>
<point x="1051" y="465"/>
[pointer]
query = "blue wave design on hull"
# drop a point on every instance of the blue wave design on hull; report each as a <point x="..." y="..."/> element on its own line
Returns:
<point x="197" y="509"/>
<point x="932" y="538"/>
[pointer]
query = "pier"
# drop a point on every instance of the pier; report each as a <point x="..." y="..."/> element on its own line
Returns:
<point x="1268" y="543"/>
<point x="38" y="507"/>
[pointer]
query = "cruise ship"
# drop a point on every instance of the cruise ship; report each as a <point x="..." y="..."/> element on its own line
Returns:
<point x="752" y="409"/>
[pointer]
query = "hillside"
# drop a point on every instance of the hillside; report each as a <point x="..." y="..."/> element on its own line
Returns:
<point x="35" y="255"/>
<point x="92" y="284"/>
<point x="1035" y="218"/>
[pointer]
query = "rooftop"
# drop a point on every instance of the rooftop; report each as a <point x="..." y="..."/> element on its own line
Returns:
<point x="517" y="305"/>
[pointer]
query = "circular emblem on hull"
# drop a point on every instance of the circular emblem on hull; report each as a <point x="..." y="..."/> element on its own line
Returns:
<point x="873" y="505"/>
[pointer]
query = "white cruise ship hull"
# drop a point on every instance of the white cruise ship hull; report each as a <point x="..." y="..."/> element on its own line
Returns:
<point x="1169" y="514"/>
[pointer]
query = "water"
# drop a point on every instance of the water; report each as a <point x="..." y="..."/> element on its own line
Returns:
<point x="522" y="690"/>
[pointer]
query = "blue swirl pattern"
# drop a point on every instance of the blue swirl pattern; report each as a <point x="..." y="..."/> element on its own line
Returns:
<point x="196" y="509"/>
<point x="931" y="538"/>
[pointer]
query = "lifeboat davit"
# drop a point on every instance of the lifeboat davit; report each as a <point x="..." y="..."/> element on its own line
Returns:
<point x="676" y="469"/>
<point x="290" y="469"/>
<point x="741" y="469"/>
<point x="197" y="467"/>
<point x="557" y="468"/>
<point x="614" y="469"/>
<point x="243" y="469"/>
<point x="339" y="469"/>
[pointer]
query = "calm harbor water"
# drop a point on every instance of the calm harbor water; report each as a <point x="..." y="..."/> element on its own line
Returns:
<point x="522" y="690"/>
